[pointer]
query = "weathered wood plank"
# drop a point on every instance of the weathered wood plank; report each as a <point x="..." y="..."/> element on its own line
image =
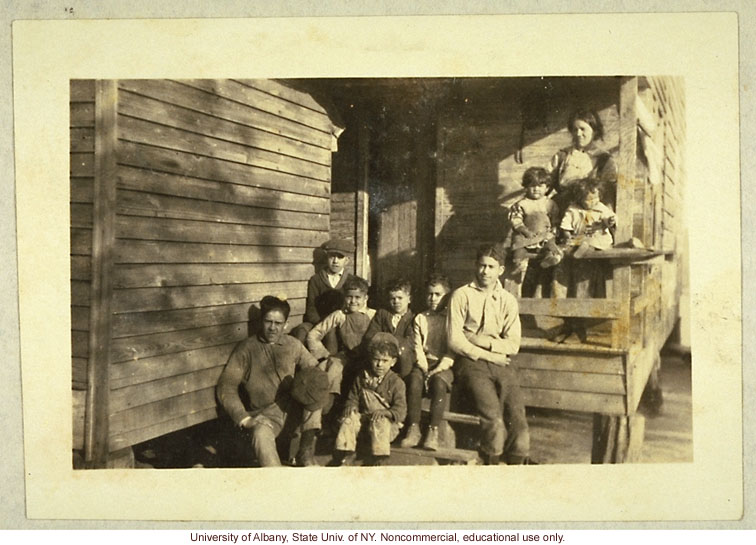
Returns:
<point x="78" y="414"/>
<point x="139" y="251"/>
<point x="140" y="179"/>
<point x="137" y="203"/>
<point x="264" y="101"/>
<point x="82" y="190"/>
<point x="284" y="92"/>
<point x="80" y="344"/>
<point x="224" y="233"/>
<point x="123" y="399"/>
<point x="573" y="382"/>
<point x="569" y="362"/>
<point x="79" y="318"/>
<point x="148" y="369"/>
<point x="96" y="425"/>
<point x="82" y="139"/>
<point x="199" y="100"/>
<point x="151" y="299"/>
<point x="82" y="114"/>
<point x="169" y="274"/>
<point x="149" y="133"/>
<point x="542" y="344"/>
<point x="574" y="401"/>
<point x="191" y="120"/>
<point x="145" y="323"/>
<point x="190" y="164"/>
<point x="140" y="435"/>
<point x="588" y="308"/>
<point x="81" y="241"/>
<point x="161" y="411"/>
<point x="81" y="215"/>
<point x="81" y="267"/>
<point x="80" y="293"/>
<point x="79" y="373"/>
<point x="134" y="348"/>
<point x="82" y="165"/>
<point x="82" y="90"/>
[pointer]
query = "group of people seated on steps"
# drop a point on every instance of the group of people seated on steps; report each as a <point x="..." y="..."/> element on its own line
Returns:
<point x="356" y="376"/>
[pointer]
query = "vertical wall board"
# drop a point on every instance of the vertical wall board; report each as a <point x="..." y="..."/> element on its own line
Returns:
<point x="103" y="240"/>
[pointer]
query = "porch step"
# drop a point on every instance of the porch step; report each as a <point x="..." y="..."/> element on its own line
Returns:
<point x="538" y="343"/>
<point x="449" y="416"/>
<point x="469" y="457"/>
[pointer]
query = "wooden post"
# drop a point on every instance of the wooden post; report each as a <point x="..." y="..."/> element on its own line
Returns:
<point x="362" y="203"/>
<point x="626" y="163"/>
<point x="103" y="240"/>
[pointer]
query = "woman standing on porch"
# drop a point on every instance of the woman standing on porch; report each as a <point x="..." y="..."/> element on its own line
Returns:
<point x="583" y="159"/>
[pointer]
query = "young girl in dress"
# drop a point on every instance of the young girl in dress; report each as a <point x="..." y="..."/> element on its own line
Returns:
<point x="583" y="159"/>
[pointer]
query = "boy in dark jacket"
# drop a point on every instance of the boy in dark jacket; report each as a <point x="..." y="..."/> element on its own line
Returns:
<point x="325" y="289"/>
<point x="397" y="320"/>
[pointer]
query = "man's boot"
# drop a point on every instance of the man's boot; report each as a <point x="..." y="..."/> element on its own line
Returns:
<point x="306" y="454"/>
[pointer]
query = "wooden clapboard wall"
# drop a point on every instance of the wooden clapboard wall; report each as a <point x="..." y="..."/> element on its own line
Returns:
<point x="222" y="194"/>
<point x="82" y="122"/>
<point x="666" y="102"/>
<point x="487" y="139"/>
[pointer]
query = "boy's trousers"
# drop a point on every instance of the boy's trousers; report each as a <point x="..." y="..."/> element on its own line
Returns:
<point x="495" y="392"/>
<point x="381" y="433"/>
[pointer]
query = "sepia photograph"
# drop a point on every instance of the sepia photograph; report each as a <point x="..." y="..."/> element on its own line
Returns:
<point x="396" y="269"/>
<point x="236" y="245"/>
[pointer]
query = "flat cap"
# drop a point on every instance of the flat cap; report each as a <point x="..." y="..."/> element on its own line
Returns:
<point x="310" y="388"/>
<point x="340" y="245"/>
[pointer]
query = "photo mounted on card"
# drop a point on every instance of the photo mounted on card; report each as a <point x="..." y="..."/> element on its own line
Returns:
<point x="418" y="281"/>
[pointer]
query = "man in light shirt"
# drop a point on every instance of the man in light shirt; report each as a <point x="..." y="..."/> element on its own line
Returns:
<point x="483" y="328"/>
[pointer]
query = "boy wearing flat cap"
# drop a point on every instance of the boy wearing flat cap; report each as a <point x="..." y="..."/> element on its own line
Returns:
<point x="264" y="365"/>
<point x="325" y="288"/>
<point x="377" y="400"/>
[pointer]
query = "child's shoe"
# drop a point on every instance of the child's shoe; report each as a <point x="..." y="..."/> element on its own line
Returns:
<point x="379" y="461"/>
<point x="341" y="458"/>
<point x="412" y="438"/>
<point x="582" y="250"/>
<point x="431" y="438"/>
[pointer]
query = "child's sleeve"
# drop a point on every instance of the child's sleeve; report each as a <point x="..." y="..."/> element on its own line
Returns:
<point x="352" y="403"/>
<point x="568" y="220"/>
<point x="311" y="312"/>
<point x="398" y="407"/>
<point x="420" y="327"/>
<point x="406" y="340"/>
<point x="516" y="216"/>
<point x="315" y="337"/>
<point x="375" y="326"/>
